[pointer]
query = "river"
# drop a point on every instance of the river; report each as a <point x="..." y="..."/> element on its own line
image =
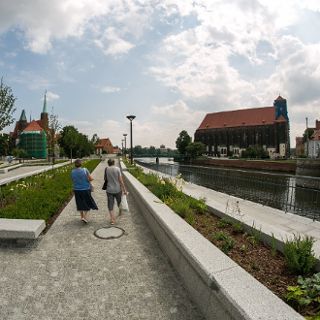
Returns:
<point x="276" y="190"/>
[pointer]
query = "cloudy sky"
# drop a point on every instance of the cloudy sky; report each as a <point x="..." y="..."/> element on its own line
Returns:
<point x="169" y="62"/>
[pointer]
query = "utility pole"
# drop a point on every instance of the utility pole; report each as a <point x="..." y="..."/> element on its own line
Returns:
<point x="307" y="134"/>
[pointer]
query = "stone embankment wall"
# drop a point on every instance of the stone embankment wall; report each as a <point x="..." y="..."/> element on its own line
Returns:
<point x="306" y="169"/>
<point x="249" y="164"/>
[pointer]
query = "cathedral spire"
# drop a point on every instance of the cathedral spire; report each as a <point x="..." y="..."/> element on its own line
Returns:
<point x="45" y="103"/>
<point x="23" y="116"/>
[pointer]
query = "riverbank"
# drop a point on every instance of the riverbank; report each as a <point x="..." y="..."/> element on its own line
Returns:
<point x="279" y="166"/>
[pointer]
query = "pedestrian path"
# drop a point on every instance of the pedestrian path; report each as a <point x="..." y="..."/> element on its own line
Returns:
<point x="70" y="274"/>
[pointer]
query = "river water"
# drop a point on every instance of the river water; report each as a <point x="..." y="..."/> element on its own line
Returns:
<point x="276" y="190"/>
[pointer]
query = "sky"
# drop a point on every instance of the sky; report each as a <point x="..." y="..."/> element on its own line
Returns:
<point x="167" y="62"/>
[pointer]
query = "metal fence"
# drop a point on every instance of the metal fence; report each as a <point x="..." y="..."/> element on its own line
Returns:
<point x="277" y="191"/>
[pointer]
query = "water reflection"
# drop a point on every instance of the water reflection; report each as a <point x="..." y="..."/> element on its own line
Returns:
<point x="271" y="189"/>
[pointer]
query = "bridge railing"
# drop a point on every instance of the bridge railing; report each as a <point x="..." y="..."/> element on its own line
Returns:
<point x="279" y="192"/>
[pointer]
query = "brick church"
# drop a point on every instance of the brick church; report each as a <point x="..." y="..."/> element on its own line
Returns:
<point x="228" y="133"/>
<point x="32" y="136"/>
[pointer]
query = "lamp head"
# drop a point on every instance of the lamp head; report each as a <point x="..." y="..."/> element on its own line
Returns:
<point x="131" y="117"/>
<point x="125" y="134"/>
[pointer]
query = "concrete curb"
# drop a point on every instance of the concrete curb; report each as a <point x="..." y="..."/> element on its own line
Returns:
<point x="220" y="288"/>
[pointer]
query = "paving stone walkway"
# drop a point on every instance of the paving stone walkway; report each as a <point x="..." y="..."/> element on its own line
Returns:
<point x="70" y="274"/>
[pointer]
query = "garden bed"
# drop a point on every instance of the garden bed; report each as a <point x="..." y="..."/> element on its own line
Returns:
<point x="264" y="263"/>
<point x="42" y="196"/>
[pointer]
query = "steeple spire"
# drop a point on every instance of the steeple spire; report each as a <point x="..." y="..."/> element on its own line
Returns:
<point x="45" y="103"/>
<point x="23" y="116"/>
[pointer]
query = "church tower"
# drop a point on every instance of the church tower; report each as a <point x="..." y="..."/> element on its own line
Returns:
<point x="282" y="125"/>
<point x="280" y="105"/>
<point x="44" y="114"/>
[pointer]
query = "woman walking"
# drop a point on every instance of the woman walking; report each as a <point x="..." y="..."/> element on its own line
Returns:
<point x="81" y="179"/>
<point x="115" y="188"/>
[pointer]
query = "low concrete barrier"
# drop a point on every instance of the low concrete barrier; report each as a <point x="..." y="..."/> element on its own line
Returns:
<point x="220" y="287"/>
<point x="21" y="228"/>
<point x="9" y="168"/>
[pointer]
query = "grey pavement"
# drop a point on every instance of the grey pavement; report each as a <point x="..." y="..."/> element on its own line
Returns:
<point x="69" y="273"/>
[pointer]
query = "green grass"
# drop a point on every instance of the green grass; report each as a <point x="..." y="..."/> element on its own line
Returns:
<point x="39" y="196"/>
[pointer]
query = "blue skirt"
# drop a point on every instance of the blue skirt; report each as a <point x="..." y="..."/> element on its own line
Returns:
<point x="84" y="200"/>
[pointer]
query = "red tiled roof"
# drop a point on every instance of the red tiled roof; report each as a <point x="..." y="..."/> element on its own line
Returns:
<point x="103" y="143"/>
<point x="240" y="118"/>
<point x="33" y="126"/>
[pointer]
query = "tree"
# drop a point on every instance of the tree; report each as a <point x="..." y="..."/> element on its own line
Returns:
<point x="7" y="101"/>
<point x="255" y="152"/>
<point x="19" y="153"/>
<point x="183" y="141"/>
<point x="54" y="127"/>
<point x="68" y="139"/>
<point x="307" y="134"/>
<point x="95" y="139"/>
<point x="195" y="149"/>
<point x="5" y="144"/>
<point x="75" y="143"/>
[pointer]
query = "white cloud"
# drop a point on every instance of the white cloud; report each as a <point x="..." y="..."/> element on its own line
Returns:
<point x="112" y="44"/>
<point x="44" y="21"/>
<point x="191" y="65"/>
<point x="52" y="96"/>
<point x="110" y="89"/>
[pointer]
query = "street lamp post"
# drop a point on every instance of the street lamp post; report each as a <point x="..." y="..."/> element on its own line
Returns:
<point x="131" y="118"/>
<point x="125" y="144"/>
<point x="122" y="147"/>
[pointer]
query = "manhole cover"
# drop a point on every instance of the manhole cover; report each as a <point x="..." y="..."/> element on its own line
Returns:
<point x="109" y="232"/>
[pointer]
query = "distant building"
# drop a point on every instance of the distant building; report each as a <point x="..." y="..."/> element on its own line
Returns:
<point x="104" y="146"/>
<point x="299" y="146"/>
<point x="228" y="133"/>
<point x="312" y="146"/>
<point x="32" y="136"/>
<point x="163" y="148"/>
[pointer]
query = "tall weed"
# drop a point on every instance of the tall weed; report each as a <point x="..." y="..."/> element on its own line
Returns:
<point x="299" y="255"/>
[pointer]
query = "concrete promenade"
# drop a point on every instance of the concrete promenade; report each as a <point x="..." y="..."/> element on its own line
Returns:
<point x="70" y="274"/>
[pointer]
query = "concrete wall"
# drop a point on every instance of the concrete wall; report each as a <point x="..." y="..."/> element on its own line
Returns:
<point x="220" y="288"/>
<point x="249" y="164"/>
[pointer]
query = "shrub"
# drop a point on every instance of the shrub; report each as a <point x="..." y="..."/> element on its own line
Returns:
<point x="190" y="218"/>
<point x="223" y="223"/>
<point x="220" y="235"/>
<point x="228" y="244"/>
<point x="299" y="255"/>
<point x="164" y="189"/>
<point x="273" y="245"/>
<point x="181" y="207"/>
<point x="237" y="227"/>
<point x="306" y="293"/>
<point x="198" y="205"/>
<point x="255" y="237"/>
